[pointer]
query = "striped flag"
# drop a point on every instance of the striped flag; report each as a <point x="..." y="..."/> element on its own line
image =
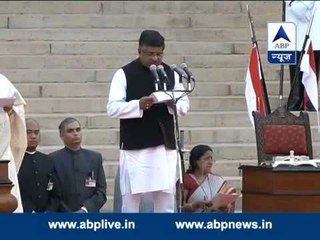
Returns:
<point x="309" y="78"/>
<point x="254" y="88"/>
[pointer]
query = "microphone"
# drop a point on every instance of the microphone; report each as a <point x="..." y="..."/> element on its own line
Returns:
<point x="162" y="72"/>
<point x="178" y="70"/>
<point x="189" y="73"/>
<point x="186" y="69"/>
<point x="154" y="72"/>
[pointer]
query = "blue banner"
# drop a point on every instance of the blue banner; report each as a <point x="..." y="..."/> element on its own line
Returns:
<point x="282" y="57"/>
<point x="109" y="226"/>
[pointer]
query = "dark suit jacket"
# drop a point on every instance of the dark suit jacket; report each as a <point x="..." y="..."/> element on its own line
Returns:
<point x="72" y="169"/>
<point x="34" y="175"/>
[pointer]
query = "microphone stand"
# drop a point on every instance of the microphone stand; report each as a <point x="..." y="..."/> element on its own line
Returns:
<point x="283" y="18"/>
<point x="179" y="135"/>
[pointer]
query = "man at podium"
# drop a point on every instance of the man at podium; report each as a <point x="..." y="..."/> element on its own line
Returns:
<point x="148" y="154"/>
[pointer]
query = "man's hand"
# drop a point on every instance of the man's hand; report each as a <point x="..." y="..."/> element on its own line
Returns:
<point x="169" y="103"/>
<point x="203" y="205"/>
<point x="146" y="103"/>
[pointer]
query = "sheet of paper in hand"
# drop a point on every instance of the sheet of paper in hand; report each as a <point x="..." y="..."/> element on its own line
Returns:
<point x="6" y="102"/>
<point x="222" y="199"/>
<point x="162" y="97"/>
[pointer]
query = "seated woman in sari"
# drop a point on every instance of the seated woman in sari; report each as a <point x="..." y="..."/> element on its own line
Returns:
<point x="201" y="185"/>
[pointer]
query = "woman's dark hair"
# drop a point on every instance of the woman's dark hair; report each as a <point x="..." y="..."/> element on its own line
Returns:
<point x="195" y="154"/>
<point x="151" y="38"/>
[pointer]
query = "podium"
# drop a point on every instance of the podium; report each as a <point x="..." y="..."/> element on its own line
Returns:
<point x="280" y="189"/>
<point x="8" y="203"/>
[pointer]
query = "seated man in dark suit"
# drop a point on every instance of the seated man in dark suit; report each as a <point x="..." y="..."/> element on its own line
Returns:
<point x="35" y="174"/>
<point x="80" y="183"/>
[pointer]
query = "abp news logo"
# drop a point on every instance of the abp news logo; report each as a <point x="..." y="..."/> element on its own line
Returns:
<point x="282" y="43"/>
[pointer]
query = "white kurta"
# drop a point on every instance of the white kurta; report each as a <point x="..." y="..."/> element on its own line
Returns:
<point x="315" y="28"/>
<point x="13" y="135"/>
<point x="149" y="169"/>
<point x="300" y="12"/>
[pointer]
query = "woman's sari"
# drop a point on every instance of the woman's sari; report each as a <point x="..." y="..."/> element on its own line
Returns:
<point x="207" y="189"/>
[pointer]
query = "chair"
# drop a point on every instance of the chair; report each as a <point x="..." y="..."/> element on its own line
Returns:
<point x="280" y="132"/>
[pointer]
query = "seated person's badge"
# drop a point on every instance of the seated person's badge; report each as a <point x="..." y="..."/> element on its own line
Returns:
<point x="50" y="185"/>
<point x="90" y="181"/>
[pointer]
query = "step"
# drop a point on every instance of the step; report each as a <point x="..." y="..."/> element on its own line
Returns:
<point x="105" y="61"/>
<point x="65" y="105"/>
<point x="220" y="167"/>
<point x="47" y="90"/>
<point x="59" y="7"/>
<point x="25" y="48"/>
<point x="217" y="74"/>
<point x="99" y="21"/>
<point x="68" y="61"/>
<point x="74" y="61"/>
<point x="235" y="88"/>
<point x="108" y="206"/>
<point x="222" y="151"/>
<point x="230" y="135"/>
<point x="245" y="47"/>
<point x="207" y="61"/>
<point x="194" y="119"/>
<point x="98" y="104"/>
<point x="89" y="137"/>
<point x="126" y="48"/>
<point x="128" y="7"/>
<point x="199" y="7"/>
<point x="34" y="90"/>
<point x="221" y="74"/>
<point x="40" y="76"/>
<point x="88" y="120"/>
<point x="215" y="119"/>
<point x="90" y="34"/>
<point x="207" y="135"/>
<point x="233" y="181"/>
<point x="191" y="135"/>
<point x="144" y="20"/>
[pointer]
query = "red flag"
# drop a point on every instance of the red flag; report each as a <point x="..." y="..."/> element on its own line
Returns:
<point x="309" y="78"/>
<point x="253" y="91"/>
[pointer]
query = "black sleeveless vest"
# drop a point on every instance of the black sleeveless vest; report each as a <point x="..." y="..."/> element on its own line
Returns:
<point x="156" y="127"/>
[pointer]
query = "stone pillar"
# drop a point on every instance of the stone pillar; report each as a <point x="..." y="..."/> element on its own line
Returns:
<point x="8" y="202"/>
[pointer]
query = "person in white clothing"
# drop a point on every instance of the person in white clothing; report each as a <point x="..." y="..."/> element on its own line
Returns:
<point x="12" y="133"/>
<point x="315" y="36"/>
<point x="300" y="13"/>
<point x="148" y="155"/>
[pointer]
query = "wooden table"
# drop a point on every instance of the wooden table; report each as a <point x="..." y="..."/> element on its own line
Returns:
<point x="280" y="189"/>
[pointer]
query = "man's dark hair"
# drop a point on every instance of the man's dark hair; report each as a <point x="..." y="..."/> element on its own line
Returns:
<point x="151" y="38"/>
<point x="67" y="121"/>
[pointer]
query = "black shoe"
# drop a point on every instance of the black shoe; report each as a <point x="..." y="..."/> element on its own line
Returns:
<point x="295" y="104"/>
